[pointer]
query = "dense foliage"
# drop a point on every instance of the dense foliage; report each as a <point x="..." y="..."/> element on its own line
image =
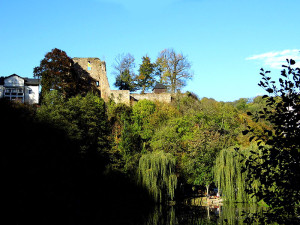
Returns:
<point x="55" y="170"/>
<point x="58" y="71"/>
<point x="157" y="173"/>
<point x="171" y="69"/>
<point x="193" y="131"/>
<point x="277" y="167"/>
<point x="229" y="175"/>
<point x="83" y="118"/>
<point x="190" y="131"/>
<point x="85" y="151"/>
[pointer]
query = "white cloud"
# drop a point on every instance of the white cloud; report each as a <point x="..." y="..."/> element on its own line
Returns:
<point x="276" y="59"/>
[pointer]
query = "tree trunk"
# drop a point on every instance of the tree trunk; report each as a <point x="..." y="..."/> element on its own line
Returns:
<point x="207" y="189"/>
<point x="143" y="90"/>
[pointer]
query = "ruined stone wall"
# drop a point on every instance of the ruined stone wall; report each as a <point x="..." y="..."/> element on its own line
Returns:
<point x="97" y="70"/>
<point x="162" y="97"/>
<point x="120" y="96"/>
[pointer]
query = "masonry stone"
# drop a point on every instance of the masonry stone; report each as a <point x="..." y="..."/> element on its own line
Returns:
<point x="96" y="69"/>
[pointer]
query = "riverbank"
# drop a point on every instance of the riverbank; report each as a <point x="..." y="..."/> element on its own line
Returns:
<point x="203" y="201"/>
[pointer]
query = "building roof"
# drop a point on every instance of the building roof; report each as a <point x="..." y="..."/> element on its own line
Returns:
<point x="32" y="81"/>
<point x="13" y="76"/>
<point x="159" y="86"/>
<point x="27" y="81"/>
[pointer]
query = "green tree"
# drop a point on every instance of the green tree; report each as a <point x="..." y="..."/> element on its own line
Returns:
<point x="125" y="138"/>
<point x="195" y="134"/>
<point x="241" y="104"/>
<point x="278" y="172"/>
<point x="256" y="105"/>
<point x="157" y="173"/>
<point x="57" y="72"/>
<point x="172" y="137"/>
<point x="141" y="114"/>
<point x="175" y="68"/>
<point x="124" y="71"/>
<point x="229" y="175"/>
<point x="198" y="160"/>
<point x="130" y="147"/>
<point x="146" y="79"/>
<point x="53" y="172"/>
<point x="83" y="118"/>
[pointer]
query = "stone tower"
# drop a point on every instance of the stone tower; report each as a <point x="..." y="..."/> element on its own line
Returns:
<point x="97" y="70"/>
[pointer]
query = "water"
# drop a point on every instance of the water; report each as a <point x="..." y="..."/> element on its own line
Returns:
<point x="196" y="215"/>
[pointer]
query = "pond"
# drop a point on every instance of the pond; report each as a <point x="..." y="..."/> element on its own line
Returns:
<point x="196" y="215"/>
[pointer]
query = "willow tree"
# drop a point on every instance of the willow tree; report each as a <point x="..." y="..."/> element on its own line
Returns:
<point x="157" y="173"/>
<point x="229" y="175"/>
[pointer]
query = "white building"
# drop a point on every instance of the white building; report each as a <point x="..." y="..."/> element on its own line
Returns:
<point x="21" y="89"/>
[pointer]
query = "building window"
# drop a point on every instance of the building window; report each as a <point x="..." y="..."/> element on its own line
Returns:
<point x="14" y="94"/>
<point x="20" y="91"/>
<point x="97" y="83"/>
<point x="7" y="91"/>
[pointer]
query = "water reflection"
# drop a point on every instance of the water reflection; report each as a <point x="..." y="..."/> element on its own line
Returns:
<point x="198" y="215"/>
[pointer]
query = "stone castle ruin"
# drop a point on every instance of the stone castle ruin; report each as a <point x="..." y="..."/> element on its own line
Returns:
<point x="96" y="69"/>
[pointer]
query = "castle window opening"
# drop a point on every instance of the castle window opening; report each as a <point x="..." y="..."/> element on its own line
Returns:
<point x="97" y="83"/>
<point x="89" y="67"/>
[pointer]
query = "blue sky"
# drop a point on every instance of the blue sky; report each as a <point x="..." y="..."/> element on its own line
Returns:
<point x="226" y="41"/>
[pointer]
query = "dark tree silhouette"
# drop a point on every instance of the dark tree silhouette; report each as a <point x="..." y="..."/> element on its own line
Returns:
<point x="277" y="166"/>
<point x="47" y="180"/>
<point x="58" y="71"/>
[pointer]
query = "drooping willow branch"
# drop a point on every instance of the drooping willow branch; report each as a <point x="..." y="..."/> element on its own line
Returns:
<point x="229" y="176"/>
<point x="157" y="173"/>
